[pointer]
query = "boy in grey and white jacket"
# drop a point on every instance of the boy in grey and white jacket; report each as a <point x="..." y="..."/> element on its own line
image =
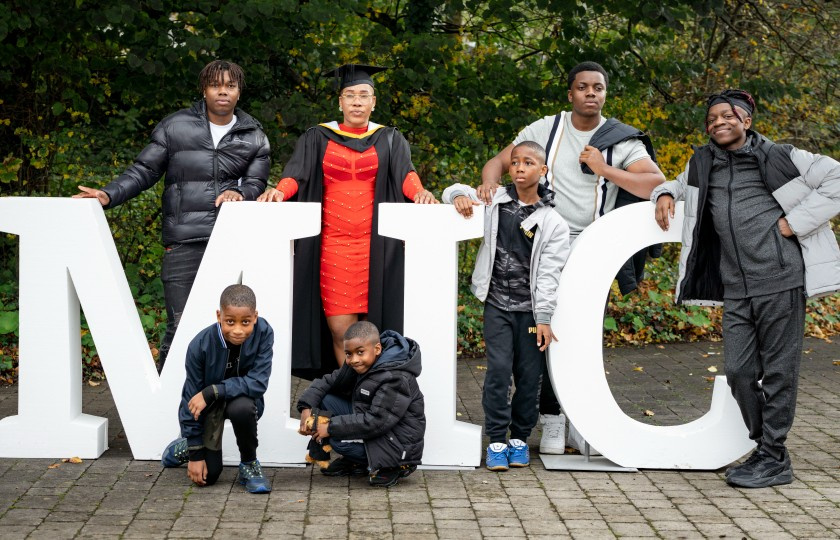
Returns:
<point x="756" y="237"/>
<point x="517" y="271"/>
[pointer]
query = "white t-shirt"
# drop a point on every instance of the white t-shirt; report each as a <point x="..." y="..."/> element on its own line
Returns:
<point x="220" y="131"/>
<point x="580" y="198"/>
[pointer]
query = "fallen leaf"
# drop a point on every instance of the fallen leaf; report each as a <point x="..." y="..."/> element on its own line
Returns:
<point x="638" y="368"/>
<point x="480" y="367"/>
<point x="836" y="362"/>
<point x="711" y="369"/>
<point x="54" y="466"/>
<point x="94" y="383"/>
<point x="457" y="414"/>
<point x="710" y="379"/>
<point x="149" y="475"/>
<point x="72" y="460"/>
<point x="648" y="412"/>
<point x="660" y="346"/>
<point x="705" y="355"/>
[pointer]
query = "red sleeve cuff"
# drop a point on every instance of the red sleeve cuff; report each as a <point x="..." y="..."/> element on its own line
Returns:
<point x="412" y="185"/>
<point x="288" y="186"/>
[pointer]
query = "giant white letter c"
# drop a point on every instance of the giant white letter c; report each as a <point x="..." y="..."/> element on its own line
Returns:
<point x="577" y="368"/>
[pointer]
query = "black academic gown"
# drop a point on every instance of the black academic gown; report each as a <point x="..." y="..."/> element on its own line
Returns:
<point x="312" y="352"/>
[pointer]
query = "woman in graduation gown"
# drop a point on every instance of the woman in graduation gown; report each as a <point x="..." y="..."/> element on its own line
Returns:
<point x="349" y="272"/>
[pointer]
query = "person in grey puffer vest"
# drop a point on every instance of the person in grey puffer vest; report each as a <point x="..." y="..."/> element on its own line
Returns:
<point x="211" y="153"/>
<point x="757" y="238"/>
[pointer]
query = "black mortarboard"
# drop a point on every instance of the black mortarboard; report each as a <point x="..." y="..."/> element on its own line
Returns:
<point x="353" y="74"/>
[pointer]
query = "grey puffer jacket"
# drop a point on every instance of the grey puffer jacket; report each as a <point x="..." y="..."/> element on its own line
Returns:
<point x="388" y="406"/>
<point x="806" y="186"/>
<point x="548" y="256"/>
<point x="196" y="171"/>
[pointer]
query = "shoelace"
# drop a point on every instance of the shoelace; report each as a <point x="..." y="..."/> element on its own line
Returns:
<point x="252" y="470"/>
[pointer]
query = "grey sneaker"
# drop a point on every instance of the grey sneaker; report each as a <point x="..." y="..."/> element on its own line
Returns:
<point x="765" y="471"/>
<point x="176" y="453"/>
<point x="251" y="475"/>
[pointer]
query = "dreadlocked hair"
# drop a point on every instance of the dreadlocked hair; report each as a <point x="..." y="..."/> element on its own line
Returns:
<point x="732" y="97"/>
<point x="213" y="71"/>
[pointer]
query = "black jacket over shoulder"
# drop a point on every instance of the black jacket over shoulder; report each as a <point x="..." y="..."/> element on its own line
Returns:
<point x="196" y="173"/>
<point x="388" y="408"/>
<point x="207" y="357"/>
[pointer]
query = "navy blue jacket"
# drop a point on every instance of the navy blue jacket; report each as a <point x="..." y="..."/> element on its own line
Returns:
<point x="207" y="357"/>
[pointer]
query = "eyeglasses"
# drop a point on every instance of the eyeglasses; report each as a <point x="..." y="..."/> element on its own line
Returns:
<point x="364" y="98"/>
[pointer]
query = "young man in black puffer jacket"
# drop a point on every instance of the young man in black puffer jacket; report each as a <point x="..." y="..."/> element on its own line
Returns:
<point x="211" y="153"/>
<point x="370" y="410"/>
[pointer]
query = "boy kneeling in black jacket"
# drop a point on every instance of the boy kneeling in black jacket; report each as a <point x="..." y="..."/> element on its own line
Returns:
<point x="375" y="417"/>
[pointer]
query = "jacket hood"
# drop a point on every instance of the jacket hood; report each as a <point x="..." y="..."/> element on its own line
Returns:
<point x="398" y="352"/>
<point x="546" y="195"/>
<point x="243" y="119"/>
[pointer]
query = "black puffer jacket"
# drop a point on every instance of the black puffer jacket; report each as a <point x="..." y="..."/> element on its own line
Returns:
<point x="388" y="408"/>
<point x="196" y="172"/>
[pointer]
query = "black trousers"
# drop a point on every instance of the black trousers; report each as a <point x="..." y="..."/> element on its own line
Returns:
<point x="242" y="413"/>
<point x="512" y="357"/>
<point x="180" y="266"/>
<point x="762" y="347"/>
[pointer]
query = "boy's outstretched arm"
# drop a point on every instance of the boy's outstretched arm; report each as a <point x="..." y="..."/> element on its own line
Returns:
<point x="463" y="197"/>
<point x="492" y="172"/>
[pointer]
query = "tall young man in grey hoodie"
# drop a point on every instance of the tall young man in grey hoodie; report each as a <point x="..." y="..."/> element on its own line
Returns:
<point x="756" y="237"/>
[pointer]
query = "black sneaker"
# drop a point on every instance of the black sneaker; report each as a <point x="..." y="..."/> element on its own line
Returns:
<point x="766" y="471"/>
<point x="389" y="476"/>
<point x="345" y="467"/>
<point x="756" y="456"/>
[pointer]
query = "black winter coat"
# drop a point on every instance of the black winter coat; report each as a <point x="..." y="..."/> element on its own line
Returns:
<point x="388" y="407"/>
<point x="196" y="172"/>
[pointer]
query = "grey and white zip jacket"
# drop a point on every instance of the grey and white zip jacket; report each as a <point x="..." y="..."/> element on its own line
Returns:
<point x="806" y="186"/>
<point x="548" y="256"/>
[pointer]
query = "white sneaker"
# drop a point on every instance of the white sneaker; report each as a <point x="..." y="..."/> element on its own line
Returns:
<point x="577" y="441"/>
<point x="553" y="440"/>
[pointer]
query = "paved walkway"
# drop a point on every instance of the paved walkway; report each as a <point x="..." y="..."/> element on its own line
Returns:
<point x="116" y="496"/>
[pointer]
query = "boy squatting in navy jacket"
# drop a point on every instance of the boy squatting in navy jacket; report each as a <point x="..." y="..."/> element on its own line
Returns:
<point x="228" y="366"/>
<point x="370" y="410"/>
<point x="757" y="238"/>
<point x="517" y="271"/>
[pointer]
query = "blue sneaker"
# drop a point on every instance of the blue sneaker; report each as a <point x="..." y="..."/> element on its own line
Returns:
<point x="497" y="457"/>
<point x="518" y="455"/>
<point x="251" y="475"/>
<point x="176" y="453"/>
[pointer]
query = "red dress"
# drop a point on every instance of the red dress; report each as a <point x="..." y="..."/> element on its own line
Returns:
<point x="346" y="221"/>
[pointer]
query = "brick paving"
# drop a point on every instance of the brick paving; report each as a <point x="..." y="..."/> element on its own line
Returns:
<point x="118" y="497"/>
